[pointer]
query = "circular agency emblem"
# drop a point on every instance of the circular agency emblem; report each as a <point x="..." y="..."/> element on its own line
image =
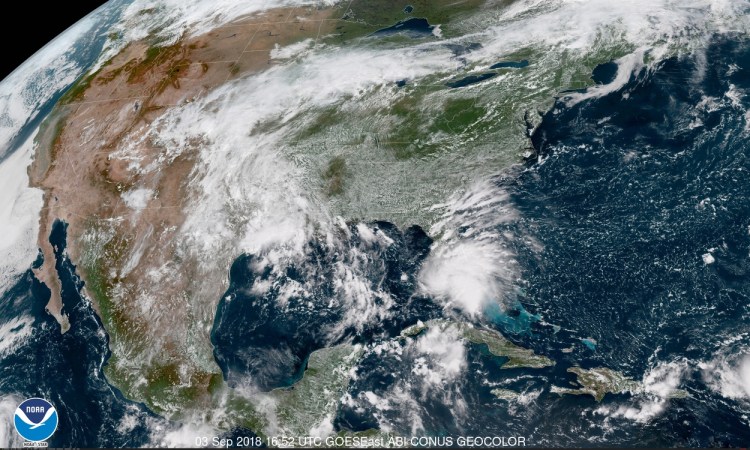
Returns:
<point x="35" y="419"/>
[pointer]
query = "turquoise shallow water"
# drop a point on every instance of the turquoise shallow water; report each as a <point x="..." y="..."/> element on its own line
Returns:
<point x="628" y="195"/>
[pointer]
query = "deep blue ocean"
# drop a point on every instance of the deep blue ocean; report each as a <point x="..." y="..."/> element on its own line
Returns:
<point x="82" y="54"/>
<point x="626" y="194"/>
<point x="66" y="369"/>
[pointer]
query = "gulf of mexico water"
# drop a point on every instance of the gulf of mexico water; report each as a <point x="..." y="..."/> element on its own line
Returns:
<point x="631" y="194"/>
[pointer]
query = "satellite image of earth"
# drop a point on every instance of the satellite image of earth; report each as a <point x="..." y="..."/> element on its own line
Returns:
<point x="381" y="223"/>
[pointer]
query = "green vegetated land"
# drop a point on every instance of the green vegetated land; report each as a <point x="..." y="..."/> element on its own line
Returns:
<point x="468" y="131"/>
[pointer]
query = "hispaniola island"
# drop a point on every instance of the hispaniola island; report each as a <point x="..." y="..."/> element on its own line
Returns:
<point x="379" y="223"/>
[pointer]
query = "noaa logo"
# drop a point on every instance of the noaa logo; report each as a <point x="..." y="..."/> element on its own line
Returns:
<point x="35" y="420"/>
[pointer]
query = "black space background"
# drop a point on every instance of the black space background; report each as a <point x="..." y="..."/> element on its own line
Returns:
<point x="32" y="24"/>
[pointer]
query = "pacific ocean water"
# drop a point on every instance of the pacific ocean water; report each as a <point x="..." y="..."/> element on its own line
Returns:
<point x="629" y="192"/>
<point x="66" y="369"/>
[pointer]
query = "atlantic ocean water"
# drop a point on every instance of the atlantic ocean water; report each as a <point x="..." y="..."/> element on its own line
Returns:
<point x="629" y="193"/>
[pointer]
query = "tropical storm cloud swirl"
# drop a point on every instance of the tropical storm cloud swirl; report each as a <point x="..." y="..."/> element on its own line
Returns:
<point x="373" y="220"/>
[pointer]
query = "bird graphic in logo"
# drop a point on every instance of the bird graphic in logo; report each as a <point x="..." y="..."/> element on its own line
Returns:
<point x="35" y="419"/>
